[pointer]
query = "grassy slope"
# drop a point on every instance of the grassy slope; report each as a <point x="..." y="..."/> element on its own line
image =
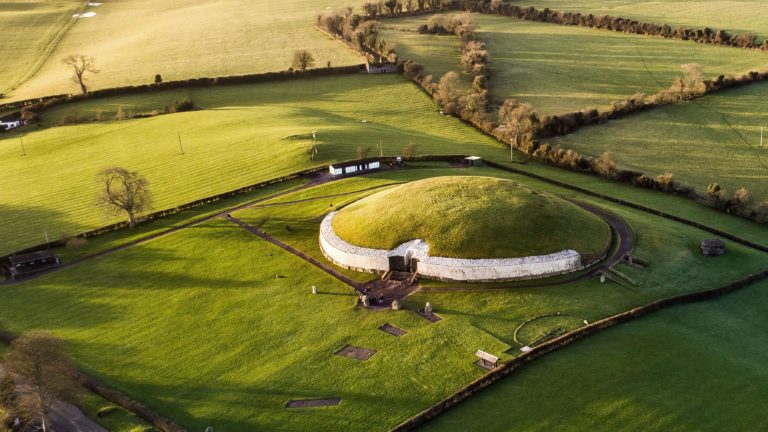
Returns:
<point x="237" y="141"/>
<point x="472" y="217"/>
<point x="695" y="367"/>
<point x="715" y="138"/>
<point x="197" y="326"/>
<point x="186" y="39"/>
<point x="561" y="68"/>
<point x="27" y="29"/>
<point x="242" y="342"/>
<point x="735" y="16"/>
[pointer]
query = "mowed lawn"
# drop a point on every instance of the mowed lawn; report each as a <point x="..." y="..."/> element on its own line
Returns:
<point x="245" y="135"/>
<point x="735" y="16"/>
<point x="695" y="367"/>
<point x="561" y="69"/>
<point x="712" y="139"/>
<point x="133" y="40"/>
<point x="197" y="326"/>
<point x="28" y="30"/>
<point x="212" y="326"/>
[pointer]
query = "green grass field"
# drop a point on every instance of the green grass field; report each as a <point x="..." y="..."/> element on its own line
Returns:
<point x="561" y="68"/>
<point x="245" y="135"/>
<point x="28" y="31"/>
<point x="712" y="139"/>
<point x="197" y="326"/>
<point x="186" y="39"/>
<point x="472" y="217"/>
<point x="695" y="367"/>
<point x="735" y="16"/>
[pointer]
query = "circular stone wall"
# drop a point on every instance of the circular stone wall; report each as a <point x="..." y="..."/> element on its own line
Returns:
<point x="464" y="228"/>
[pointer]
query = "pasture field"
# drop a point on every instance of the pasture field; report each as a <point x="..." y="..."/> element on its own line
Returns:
<point x="561" y="69"/>
<point x="28" y="31"/>
<point x="694" y="367"/>
<point x="197" y="326"/>
<point x="245" y="135"/>
<point x="712" y="139"/>
<point x="188" y="39"/>
<point x="735" y="16"/>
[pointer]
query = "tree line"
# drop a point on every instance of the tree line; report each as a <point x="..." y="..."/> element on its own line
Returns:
<point x="389" y="8"/>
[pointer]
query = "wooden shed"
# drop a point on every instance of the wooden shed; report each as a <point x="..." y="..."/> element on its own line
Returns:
<point x="29" y="263"/>
<point x="354" y="166"/>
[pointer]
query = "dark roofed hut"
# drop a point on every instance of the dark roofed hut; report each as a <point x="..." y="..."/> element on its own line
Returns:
<point x="29" y="263"/>
<point x="712" y="247"/>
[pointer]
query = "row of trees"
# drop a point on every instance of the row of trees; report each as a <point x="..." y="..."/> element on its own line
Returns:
<point x="689" y="85"/>
<point x="624" y="25"/>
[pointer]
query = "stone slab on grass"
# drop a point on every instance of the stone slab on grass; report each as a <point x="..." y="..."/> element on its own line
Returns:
<point x="313" y="403"/>
<point x="394" y="331"/>
<point x="355" y="352"/>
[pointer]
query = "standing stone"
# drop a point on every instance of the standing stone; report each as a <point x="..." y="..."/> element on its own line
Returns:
<point x="366" y="300"/>
<point x="314" y="289"/>
<point x="395" y="305"/>
<point x="428" y="308"/>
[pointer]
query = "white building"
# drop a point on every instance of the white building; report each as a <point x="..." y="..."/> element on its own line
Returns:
<point x="351" y="167"/>
<point x="8" y="125"/>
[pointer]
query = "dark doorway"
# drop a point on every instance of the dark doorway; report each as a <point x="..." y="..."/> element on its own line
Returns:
<point x="397" y="263"/>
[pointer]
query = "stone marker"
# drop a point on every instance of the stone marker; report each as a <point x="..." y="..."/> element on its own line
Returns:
<point x="395" y="305"/>
<point x="428" y="308"/>
<point x="314" y="289"/>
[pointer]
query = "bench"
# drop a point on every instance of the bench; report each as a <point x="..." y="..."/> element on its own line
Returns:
<point x="486" y="361"/>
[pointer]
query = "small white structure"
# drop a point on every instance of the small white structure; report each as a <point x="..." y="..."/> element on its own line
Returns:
<point x="413" y="256"/>
<point x="351" y="167"/>
<point x="473" y="161"/>
<point x="8" y="125"/>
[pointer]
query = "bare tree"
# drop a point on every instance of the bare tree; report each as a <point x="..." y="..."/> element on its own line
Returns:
<point x="362" y="152"/>
<point x="41" y="363"/>
<point x="303" y="59"/>
<point x="409" y="152"/>
<point x="124" y="191"/>
<point x="80" y="64"/>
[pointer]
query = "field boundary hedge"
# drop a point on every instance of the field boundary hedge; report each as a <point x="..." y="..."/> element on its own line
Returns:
<point x="506" y="369"/>
<point x="112" y="395"/>
<point x="41" y="104"/>
<point x="171" y="211"/>
<point x="629" y="204"/>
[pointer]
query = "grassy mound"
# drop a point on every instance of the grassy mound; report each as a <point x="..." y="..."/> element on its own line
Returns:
<point x="472" y="217"/>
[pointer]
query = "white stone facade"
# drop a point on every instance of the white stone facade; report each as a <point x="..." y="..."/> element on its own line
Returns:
<point x="357" y="258"/>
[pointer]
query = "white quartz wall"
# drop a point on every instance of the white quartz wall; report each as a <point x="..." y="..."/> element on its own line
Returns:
<point x="353" y="257"/>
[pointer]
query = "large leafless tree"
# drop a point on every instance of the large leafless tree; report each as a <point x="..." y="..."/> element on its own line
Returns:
<point x="40" y="361"/>
<point x="80" y="65"/>
<point x="124" y="191"/>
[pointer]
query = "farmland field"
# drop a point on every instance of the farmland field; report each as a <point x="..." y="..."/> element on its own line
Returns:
<point x="28" y="30"/>
<point x="232" y="361"/>
<point x="735" y="16"/>
<point x="188" y="39"/>
<point x="245" y="135"/>
<point x="694" y="367"/>
<point x="562" y="68"/>
<point x="712" y="139"/>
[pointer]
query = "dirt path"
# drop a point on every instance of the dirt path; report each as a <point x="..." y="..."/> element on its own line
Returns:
<point x="328" y="269"/>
